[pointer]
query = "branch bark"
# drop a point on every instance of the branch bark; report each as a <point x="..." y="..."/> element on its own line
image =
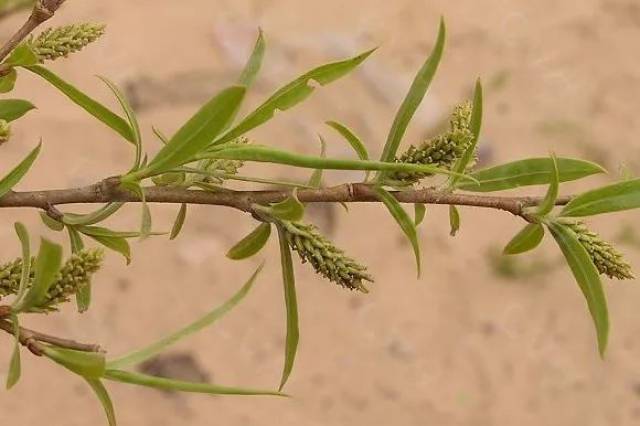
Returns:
<point x="32" y="340"/>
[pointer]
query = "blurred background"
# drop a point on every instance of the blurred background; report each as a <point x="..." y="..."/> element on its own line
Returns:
<point x="479" y="340"/>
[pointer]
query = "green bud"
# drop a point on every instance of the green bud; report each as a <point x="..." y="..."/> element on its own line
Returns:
<point x="54" y="43"/>
<point x="5" y="131"/>
<point x="327" y="260"/>
<point x="607" y="259"/>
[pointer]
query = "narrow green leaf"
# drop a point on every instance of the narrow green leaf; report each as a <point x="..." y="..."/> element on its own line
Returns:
<point x="181" y="386"/>
<point x="587" y="277"/>
<point x="251" y="69"/>
<point x="352" y="139"/>
<point x="23" y="236"/>
<point x="90" y="105"/>
<point x="607" y="199"/>
<point x="475" y="126"/>
<point x="117" y="244"/>
<point x="15" y="366"/>
<point x="75" y="239"/>
<point x="294" y="93"/>
<point x="23" y="55"/>
<point x="10" y="180"/>
<point x="403" y="220"/>
<point x="549" y="201"/>
<point x="199" y="131"/>
<point x="420" y="212"/>
<point x="46" y="266"/>
<point x="179" y="222"/>
<point x="145" y="221"/>
<point x="104" y="398"/>
<point x="290" y="209"/>
<point x="291" y="305"/>
<point x="315" y="181"/>
<point x="7" y="82"/>
<point x="83" y="298"/>
<point x="99" y="231"/>
<point x="94" y="217"/>
<point x="91" y="365"/>
<point x="207" y="320"/>
<point x="414" y="98"/>
<point x="454" y="220"/>
<point x="12" y="109"/>
<point x="51" y="223"/>
<point x="532" y="171"/>
<point x="131" y="118"/>
<point x="525" y="240"/>
<point x="251" y="244"/>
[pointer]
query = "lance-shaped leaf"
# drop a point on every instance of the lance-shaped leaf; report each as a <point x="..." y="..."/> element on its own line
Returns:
<point x="23" y="236"/>
<point x="10" y="180"/>
<point x="145" y="218"/>
<point x="420" y="211"/>
<point x="587" y="277"/>
<point x="611" y="198"/>
<point x="293" y="93"/>
<point x="179" y="222"/>
<point x="103" y="396"/>
<point x="549" y="201"/>
<point x="403" y="220"/>
<point x="252" y="67"/>
<point x="182" y="386"/>
<point x="51" y="223"/>
<point x="291" y="305"/>
<point x="290" y="209"/>
<point x="86" y="364"/>
<point x="414" y="98"/>
<point x="525" y="240"/>
<point x="90" y="105"/>
<point x="94" y="217"/>
<point x="352" y="139"/>
<point x="46" y="266"/>
<point x="475" y="125"/>
<point x="75" y="239"/>
<point x="12" y="109"/>
<point x="251" y="244"/>
<point x="7" y="82"/>
<point x="23" y="55"/>
<point x="115" y="243"/>
<point x="532" y="171"/>
<point x="206" y="320"/>
<point x="199" y="131"/>
<point x="454" y="220"/>
<point x="15" y="365"/>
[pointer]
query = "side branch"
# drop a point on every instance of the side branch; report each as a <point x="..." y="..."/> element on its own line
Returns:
<point x="109" y="191"/>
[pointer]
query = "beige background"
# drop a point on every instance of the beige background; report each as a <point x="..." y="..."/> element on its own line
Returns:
<point x="465" y="345"/>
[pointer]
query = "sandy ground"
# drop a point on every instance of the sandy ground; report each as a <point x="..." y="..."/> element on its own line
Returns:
<point x="467" y="344"/>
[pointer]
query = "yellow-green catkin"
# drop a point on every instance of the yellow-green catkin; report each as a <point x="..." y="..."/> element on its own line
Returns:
<point x="327" y="260"/>
<point x="55" y="43"/>
<point x="74" y="275"/>
<point x="219" y="170"/>
<point x="607" y="259"/>
<point x="441" y="151"/>
<point x="5" y="131"/>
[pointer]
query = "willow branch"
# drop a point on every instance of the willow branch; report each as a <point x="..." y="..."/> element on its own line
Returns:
<point x="108" y="191"/>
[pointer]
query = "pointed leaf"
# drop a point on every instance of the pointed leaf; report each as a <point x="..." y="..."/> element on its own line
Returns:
<point x="75" y="239"/>
<point x="23" y="236"/>
<point x="145" y="221"/>
<point x="46" y="266"/>
<point x="10" y="180"/>
<point x="403" y="220"/>
<point x="454" y="220"/>
<point x="420" y="212"/>
<point x="414" y="98"/>
<point x="117" y="244"/>
<point x="291" y="305"/>
<point x="549" y="201"/>
<point x="15" y="366"/>
<point x="475" y="125"/>
<point x="252" y="68"/>
<point x="90" y="105"/>
<point x="51" y="223"/>
<point x="525" y="240"/>
<point x="612" y="198"/>
<point x="103" y="396"/>
<point x="179" y="222"/>
<point x="86" y="364"/>
<point x="587" y="277"/>
<point x="12" y="109"/>
<point x="252" y="243"/>
<point x="352" y="139"/>
<point x="290" y="209"/>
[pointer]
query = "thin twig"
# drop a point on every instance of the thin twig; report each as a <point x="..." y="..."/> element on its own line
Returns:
<point x="31" y="339"/>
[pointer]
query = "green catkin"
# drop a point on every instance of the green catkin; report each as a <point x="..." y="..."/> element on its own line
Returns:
<point x="5" y="131"/>
<point x="74" y="275"/>
<point x="607" y="259"/>
<point x="55" y="43"/>
<point x="443" y="150"/>
<point x="327" y="260"/>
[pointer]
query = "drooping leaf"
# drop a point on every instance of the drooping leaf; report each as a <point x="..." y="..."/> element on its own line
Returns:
<point x="91" y="365"/>
<point x="549" y="201"/>
<point x="51" y="223"/>
<point x="99" y="231"/>
<point x="403" y="220"/>
<point x="454" y="220"/>
<point x="145" y="218"/>
<point x="10" y="180"/>
<point x="420" y="212"/>
<point x="525" y="240"/>
<point x="607" y="199"/>
<point x="293" y="93"/>
<point x="46" y="266"/>
<point x="8" y="81"/>
<point x="315" y="181"/>
<point x="12" y="109"/>
<point x="532" y="171"/>
<point x="290" y="209"/>
<point x="179" y="222"/>
<point x="291" y="305"/>
<point x="93" y="107"/>
<point x="252" y="68"/>
<point x="117" y="244"/>
<point x="475" y="126"/>
<point x="103" y="396"/>
<point x="94" y="217"/>
<point x="587" y="277"/>
<point x="23" y="55"/>
<point x="181" y="386"/>
<point x="414" y="98"/>
<point x="207" y="320"/>
<point x="15" y="365"/>
<point x="199" y="131"/>
<point x="352" y="139"/>
<point x="23" y="236"/>
<point x="251" y="244"/>
<point x="75" y="239"/>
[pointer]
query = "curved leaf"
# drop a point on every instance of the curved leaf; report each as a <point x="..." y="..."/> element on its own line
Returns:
<point x="290" y="209"/>
<point x="420" y="212"/>
<point x="94" y="217"/>
<point x="15" y="365"/>
<point x="454" y="220"/>
<point x="475" y="125"/>
<point x="23" y="236"/>
<point x="352" y="139"/>
<point x="612" y="198"/>
<point x="103" y="396"/>
<point x="251" y="69"/>
<point x="12" y="109"/>
<point x="291" y="304"/>
<point x="525" y="240"/>
<point x="179" y="222"/>
<point x="251" y="244"/>
<point x="549" y="201"/>
<point x="86" y="364"/>
<point x="10" y="180"/>
<point x="46" y="266"/>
